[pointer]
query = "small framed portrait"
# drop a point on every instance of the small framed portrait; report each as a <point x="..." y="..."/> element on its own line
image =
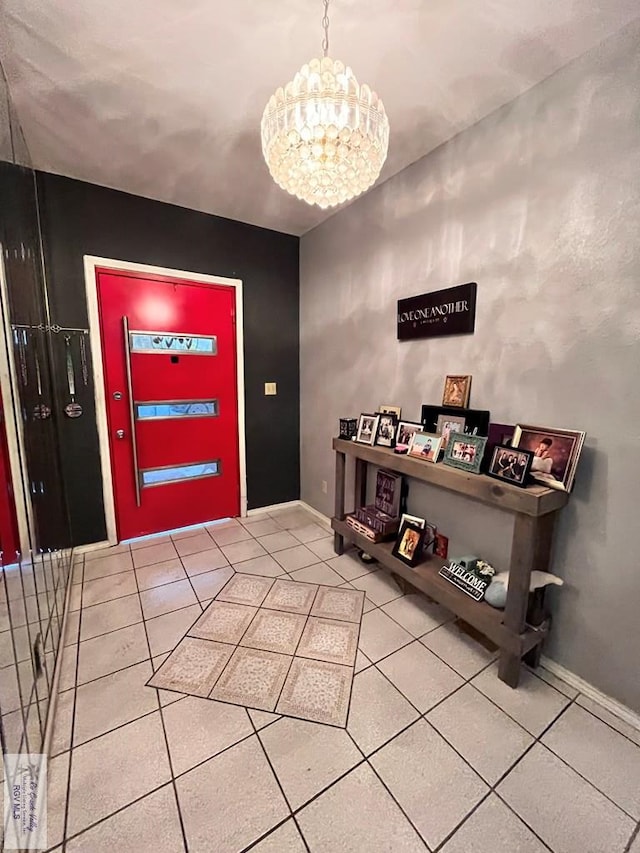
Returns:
<point x="555" y="454"/>
<point x="413" y="519"/>
<point x="404" y="434"/>
<point x="447" y="424"/>
<point x="391" y="410"/>
<point x="367" y="428"/>
<point x="465" y="452"/>
<point x="457" y="390"/>
<point x="425" y="446"/>
<point x="387" y="426"/>
<point x="510" y="464"/>
<point x="408" y="547"/>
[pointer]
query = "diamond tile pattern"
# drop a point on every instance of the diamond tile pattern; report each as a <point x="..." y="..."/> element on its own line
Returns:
<point x="437" y="752"/>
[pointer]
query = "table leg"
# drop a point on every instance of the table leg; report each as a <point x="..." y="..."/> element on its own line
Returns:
<point x="338" y="539"/>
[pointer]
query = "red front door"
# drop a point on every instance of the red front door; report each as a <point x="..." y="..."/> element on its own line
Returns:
<point x="9" y="543"/>
<point x="169" y="354"/>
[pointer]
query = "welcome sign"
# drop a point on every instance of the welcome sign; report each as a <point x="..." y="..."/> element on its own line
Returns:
<point x="470" y="582"/>
<point x="443" y="312"/>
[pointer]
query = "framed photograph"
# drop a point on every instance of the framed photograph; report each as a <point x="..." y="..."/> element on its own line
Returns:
<point x="404" y="434"/>
<point x="465" y="452"/>
<point x="457" y="390"/>
<point x="387" y="426"/>
<point x="413" y="519"/>
<point x="510" y="464"/>
<point x="391" y="410"/>
<point x="367" y="428"/>
<point x="408" y="547"/>
<point x="425" y="446"/>
<point x="476" y="420"/>
<point x="555" y="453"/>
<point x="447" y="424"/>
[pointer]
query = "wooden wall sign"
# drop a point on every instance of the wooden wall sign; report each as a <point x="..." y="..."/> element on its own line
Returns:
<point x="443" y="312"/>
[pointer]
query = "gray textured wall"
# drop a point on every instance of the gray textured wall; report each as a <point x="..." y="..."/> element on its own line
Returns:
<point x="539" y="204"/>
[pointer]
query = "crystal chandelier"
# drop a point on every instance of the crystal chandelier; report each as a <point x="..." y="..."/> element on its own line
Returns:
<point x="325" y="137"/>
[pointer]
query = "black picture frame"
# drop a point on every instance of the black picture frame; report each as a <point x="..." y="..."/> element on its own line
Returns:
<point x="511" y="465"/>
<point x="387" y="421"/>
<point x="476" y="420"/>
<point x="401" y="550"/>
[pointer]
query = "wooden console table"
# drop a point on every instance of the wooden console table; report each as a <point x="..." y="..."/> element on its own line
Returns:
<point x="520" y="628"/>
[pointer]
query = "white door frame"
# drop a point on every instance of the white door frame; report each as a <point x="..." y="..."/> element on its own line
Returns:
<point x="95" y="337"/>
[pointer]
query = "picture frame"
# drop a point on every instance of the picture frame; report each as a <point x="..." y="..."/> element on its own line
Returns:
<point x="447" y="424"/>
<point x="510" y="464"/>
<point x="465" y="452"/>
<point x="408" y="546"/>
<point x="476" y="420"/>
<point x="413" y="519"/>
<point x="457" y="390"/>
<point x="556" y="453"/>
<point x="387" y="428"/>
<point x="384" y="409"/>
<point x="425" y="446"/>
<point x="497" y="434"/>
<point x="367" y="428"/>
<point x="404" y="434"/>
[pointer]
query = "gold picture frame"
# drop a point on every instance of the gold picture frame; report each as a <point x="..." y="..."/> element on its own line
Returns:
<point x="457" y="391"/>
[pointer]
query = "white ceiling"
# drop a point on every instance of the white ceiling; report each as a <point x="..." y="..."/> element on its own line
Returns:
<point x="163" y="98"/>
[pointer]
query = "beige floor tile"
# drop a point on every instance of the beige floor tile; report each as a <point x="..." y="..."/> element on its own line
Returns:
<point x="420" y="768"/>
<point x="489" y="740"/>
<point x="248" y="801"/>
<point x="154" y="554"/>
<point x="108" y="588"/>
<point x="109" y="772"/>
<point x="464" y="654"/>
<point x="165" y="632"/>
<point x="62" y="722"/>
<point x="343" y="604"/>
<point x="310" y="533"/>
<point x="357" y="815"/>
<point x="261" y="526"/>
<point x="166" y="697"/>
<point x="204" y="561"/>
<point x="209" y="584"/>
<point x="362" y="662"/>
<point x="329" y="640"/>
<point x="493" y="828"/>
<point x="350" y="566"/>
<point x="635" y="847"/>
<point x="260" y="719"/>
<point x="103" y="618"/>
<point x="291" y="596"/>
<point x="293" y="517"/>
<point x="57" y="786"/>
<point x="560" y="685"/>
<point x="230" y="535"/>
<point x="149" y="541"/>
<point x="188" y="532"/>
<point x="265" y="566"/>
<point x="420" y="676"/>
<point x="164" y="599"/>
<point x="417" y="614"/>
<point x="273" y="542"/>
<point x="253" y="678"/>
<point x="606" y="716"/>
<point x="68" y="668"/>
<point x="380" y="587"/>
<point x="534" y="704"/>
<point x="246" y="589"/>
<point x="605" y="758"/>
<point x="275" y="631"/>
<point x="238" y="552"/>
<point x="101" y="553"/>
<point x="198" y="729"/>
<point x="380" y="635"/>
<point x="113" y="700"/>
<point x="298" y="557"/>
<point x="110" y="652"/>
<point x="316" y="690"/>
<point x="285" y="839"/>
<point x="563" y="809"/>
<point x="193" y="667"/>
<point x="307" y="757"/>
<point x="223" y="622"/>
<point x="194" y="544"/>
<point x="106" y="566"/>
<point x="151" y="823"/>
<point x="322" y="548"/>
<point x="319" y="573"/>
<point x="378" y="711"/>
<point x="160" y="573"/>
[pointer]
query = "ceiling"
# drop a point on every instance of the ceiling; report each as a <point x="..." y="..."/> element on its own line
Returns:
<point x="163" y="98"/>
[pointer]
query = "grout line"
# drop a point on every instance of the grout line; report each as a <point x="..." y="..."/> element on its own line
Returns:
<point x="635" y="834"/>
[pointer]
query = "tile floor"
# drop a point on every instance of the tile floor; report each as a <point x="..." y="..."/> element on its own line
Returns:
<point x="437" y="755"/>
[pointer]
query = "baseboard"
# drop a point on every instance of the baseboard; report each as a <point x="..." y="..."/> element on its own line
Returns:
<point x="325" y="519"/>
<point x="612" y="705"/>
<point x="273" y="508"/>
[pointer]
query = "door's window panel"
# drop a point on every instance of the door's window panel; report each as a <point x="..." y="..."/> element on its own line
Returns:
<point x="163" y="342"/>
<point x="178" y="473"/>
<point x="176" y="409"/>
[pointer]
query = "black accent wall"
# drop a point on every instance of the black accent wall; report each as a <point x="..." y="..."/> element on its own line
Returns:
<point x="80" y="219"/>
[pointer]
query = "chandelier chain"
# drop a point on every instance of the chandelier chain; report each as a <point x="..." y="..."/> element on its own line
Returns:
<point x="325" y="26"/>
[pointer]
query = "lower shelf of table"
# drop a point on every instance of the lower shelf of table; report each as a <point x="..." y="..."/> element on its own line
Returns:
<point x="425" y="578"/>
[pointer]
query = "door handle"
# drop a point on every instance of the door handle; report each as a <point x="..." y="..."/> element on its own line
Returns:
<point x="119" y="433"/>
<point x="132" y="416"/>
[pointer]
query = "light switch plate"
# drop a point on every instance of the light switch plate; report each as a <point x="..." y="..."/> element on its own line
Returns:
<point x="270" y="389"/>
